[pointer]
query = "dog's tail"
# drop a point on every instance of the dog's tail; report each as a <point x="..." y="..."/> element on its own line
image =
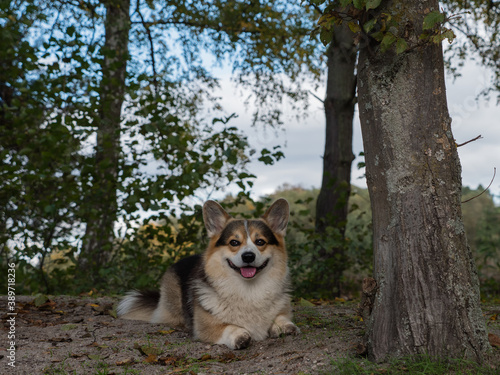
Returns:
<point x="138" y="305"/>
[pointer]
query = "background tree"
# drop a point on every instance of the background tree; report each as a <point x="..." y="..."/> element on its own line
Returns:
<point x="333" y="200"/>
<point x="100" y="209"/>
<point x="38" y="189"/>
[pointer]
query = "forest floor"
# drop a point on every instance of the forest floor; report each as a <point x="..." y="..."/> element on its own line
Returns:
<point x="80" y="335"/>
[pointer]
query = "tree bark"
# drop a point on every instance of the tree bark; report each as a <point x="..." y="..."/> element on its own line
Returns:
<point x="428" y="291"/>
<point x="332" y="203"/>
<point x="101" y="203"/>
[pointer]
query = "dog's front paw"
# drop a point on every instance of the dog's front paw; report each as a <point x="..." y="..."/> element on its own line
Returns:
<point x="287" y="328"/>
<point x="242" y="341"/>
<point x="235" y="337"/>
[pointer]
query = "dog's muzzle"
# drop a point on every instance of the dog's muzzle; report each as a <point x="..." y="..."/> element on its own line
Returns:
<point x="248" y="272"/>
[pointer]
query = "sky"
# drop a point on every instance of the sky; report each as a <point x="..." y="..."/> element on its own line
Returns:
<point x="303" y="141"/>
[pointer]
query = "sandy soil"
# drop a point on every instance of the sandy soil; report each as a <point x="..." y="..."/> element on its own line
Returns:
<point x="80" y="335"/>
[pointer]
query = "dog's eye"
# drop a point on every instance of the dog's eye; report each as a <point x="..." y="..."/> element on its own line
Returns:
<point x="234" y="243"/>
<point x="260" y="242"/>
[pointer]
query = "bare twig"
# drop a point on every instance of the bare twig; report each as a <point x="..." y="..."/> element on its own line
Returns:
<point x="317" y="97"/>
<point x="472" y="140"/>
<point x="494" y="173"/>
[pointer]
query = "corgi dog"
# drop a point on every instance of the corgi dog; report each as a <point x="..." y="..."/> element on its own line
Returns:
<point x="235" y="292"/>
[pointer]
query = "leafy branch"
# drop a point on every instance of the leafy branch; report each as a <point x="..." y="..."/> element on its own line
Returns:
<point x="369" y="23"/>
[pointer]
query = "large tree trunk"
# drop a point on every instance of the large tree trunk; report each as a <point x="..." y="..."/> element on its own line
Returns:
<point x="428" y="296"/>
<point x="332" y="203"/>
<point x="101" y="204"/>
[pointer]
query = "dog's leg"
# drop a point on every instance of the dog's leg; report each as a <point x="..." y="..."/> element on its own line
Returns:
<point x="234" y="337"/>
<point x="282" y="325"/>
<point x="208" y="328"/>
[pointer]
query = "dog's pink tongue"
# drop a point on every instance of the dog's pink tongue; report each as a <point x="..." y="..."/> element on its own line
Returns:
<point x="248" y="272"/>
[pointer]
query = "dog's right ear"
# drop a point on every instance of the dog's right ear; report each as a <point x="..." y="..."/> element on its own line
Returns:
<point x="215" y="217"/>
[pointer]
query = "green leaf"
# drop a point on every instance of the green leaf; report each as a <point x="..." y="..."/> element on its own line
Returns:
<point x="305" y="303"/>
<point x="354" y="26"/>
<point x="345" y="3"/>
<point x="401" y="46"/>
<point x="372" y="4"/>
<point x="359" y="4"/>
<point x="326" y="36"/>
<point x="432" y="19"/>
<point x="70" y="30"/>
<point x="40" y="299"/>
<point x="368" y="26"/>
<point x="449" y="34"/>
<point x="387" y="41"/>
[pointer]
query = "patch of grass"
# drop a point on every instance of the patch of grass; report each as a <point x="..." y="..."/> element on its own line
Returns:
<point x="419" y="365"/>
<point x="68" y="327"/>
<point x="312" y="317"/>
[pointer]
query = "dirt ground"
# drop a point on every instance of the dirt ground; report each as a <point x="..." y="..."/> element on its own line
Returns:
<point x="80" y="335"/>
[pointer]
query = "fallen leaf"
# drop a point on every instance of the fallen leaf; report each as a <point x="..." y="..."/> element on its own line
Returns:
<point x="68" y="327"/>
<point x="166" y="332"/>
<point x="49" y="305"/>
<point x="151" y="358"/>
<point x="205" y="357"/>
<point x="40" y="299"/>
<point x="78" y="355"/>
<point x="147" y="350"/>
<point x="227" y="357"/>
<point x="494" y="340"/>
<point x="168" y="361"/>
<point x="305" y="303"/>
<point x="126" y="361"/>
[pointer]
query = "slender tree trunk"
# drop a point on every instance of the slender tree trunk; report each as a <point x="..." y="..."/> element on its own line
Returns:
<point x="101" y="204"/>
<point x="332" y="203"/>
<point x="428" y="289"/>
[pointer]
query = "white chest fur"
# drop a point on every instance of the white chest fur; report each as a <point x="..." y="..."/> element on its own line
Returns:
<point x="251" y="304"/>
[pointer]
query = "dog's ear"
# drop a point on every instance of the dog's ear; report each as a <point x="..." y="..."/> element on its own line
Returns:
<point x="277" y="216"/>
<point x="215" y="217"/>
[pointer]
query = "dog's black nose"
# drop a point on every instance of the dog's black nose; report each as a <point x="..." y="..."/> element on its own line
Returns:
<point x="248" y="257"/>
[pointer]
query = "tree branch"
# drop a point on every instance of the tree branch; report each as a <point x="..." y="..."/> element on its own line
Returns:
<point x="151" y="46"/>
<point x="474" y="197"/>
<point x="317" y="97"/>
<point x="472" y="140"/>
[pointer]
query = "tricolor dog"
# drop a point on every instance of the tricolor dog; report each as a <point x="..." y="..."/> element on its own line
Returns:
<point x="233" y="293"/>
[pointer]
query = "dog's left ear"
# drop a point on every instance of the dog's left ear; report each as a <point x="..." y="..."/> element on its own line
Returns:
<point x="215" y="218"/>
<point x="277" y="216"/>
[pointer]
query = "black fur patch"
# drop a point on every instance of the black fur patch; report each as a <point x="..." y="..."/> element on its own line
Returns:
<point x="265" y="231"/>
<point x="228" y="231"/>
<point x="188" y="270"/>
<point x="149" y="299"/>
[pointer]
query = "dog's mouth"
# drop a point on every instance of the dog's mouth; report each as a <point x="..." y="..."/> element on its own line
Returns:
<point x="248" y="272"/>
